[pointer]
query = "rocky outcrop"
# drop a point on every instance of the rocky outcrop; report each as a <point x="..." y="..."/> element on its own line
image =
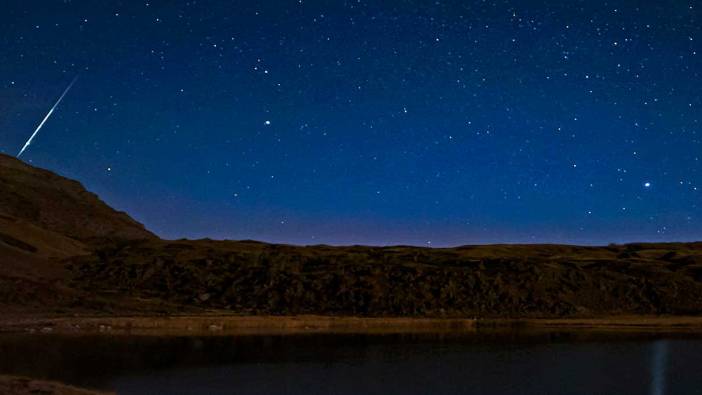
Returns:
<point x="484" y="281"/>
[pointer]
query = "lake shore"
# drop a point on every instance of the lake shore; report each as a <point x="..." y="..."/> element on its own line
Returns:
<point x="14" y="385"/>
<point x="222" y="324"/>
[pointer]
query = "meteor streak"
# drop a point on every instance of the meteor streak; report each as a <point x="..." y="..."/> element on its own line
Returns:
<point x="47" y="116"/>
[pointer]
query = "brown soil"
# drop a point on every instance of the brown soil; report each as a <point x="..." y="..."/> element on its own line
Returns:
<point x="11" y="385"/>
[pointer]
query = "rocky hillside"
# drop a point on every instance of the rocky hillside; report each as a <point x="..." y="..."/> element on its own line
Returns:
<point x="46" y="219"/>
<point x="480" y="281"/>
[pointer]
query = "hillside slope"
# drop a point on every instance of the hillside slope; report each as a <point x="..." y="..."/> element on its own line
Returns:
<point x="46" y="219"/>
<point x="60" y="205"/>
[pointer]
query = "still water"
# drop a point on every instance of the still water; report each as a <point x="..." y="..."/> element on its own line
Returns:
<point x="482" y="363"/>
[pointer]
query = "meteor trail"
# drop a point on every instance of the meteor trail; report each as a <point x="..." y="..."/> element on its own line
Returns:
<point x="47" y="116"/>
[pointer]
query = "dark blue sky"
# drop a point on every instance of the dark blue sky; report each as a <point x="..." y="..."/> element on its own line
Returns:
<point x="385" y="122"/>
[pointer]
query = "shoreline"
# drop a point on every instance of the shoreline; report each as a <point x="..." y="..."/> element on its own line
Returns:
<point x="19" y="385"/>
<point x="223" y="324"/>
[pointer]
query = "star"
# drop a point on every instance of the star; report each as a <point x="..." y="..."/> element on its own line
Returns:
<point x="447" y="108"/>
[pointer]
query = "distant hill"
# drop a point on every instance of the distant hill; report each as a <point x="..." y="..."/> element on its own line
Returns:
<point x="63" y="250"/>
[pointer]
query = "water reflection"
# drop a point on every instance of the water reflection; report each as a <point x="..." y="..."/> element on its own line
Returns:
<point x="658" y="366"/>
<point x="484" y="363"/>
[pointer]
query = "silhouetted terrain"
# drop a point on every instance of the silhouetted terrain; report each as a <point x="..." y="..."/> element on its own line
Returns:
<point x="63" y="250"/>
<point x="60" y="205"/>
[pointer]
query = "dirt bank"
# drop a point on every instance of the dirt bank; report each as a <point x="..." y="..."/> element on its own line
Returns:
<point x="221" y="325"/>
<point x="11" y="385"/>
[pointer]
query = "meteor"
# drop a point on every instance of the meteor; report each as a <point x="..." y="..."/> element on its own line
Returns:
<point x="47" y="116"/>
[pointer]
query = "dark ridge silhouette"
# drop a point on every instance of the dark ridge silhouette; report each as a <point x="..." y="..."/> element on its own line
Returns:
<point x="60" y="205"/>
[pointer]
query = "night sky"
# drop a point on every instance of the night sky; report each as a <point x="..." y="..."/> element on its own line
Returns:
<point x="356" y="122"/>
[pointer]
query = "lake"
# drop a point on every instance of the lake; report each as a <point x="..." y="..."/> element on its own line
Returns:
<point x="498" y="363"/>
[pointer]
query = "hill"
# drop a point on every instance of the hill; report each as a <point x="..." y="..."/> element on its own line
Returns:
<point x="60" y="205"/>
<point x="472" y="281"/>
<point x="46" y="219"/>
